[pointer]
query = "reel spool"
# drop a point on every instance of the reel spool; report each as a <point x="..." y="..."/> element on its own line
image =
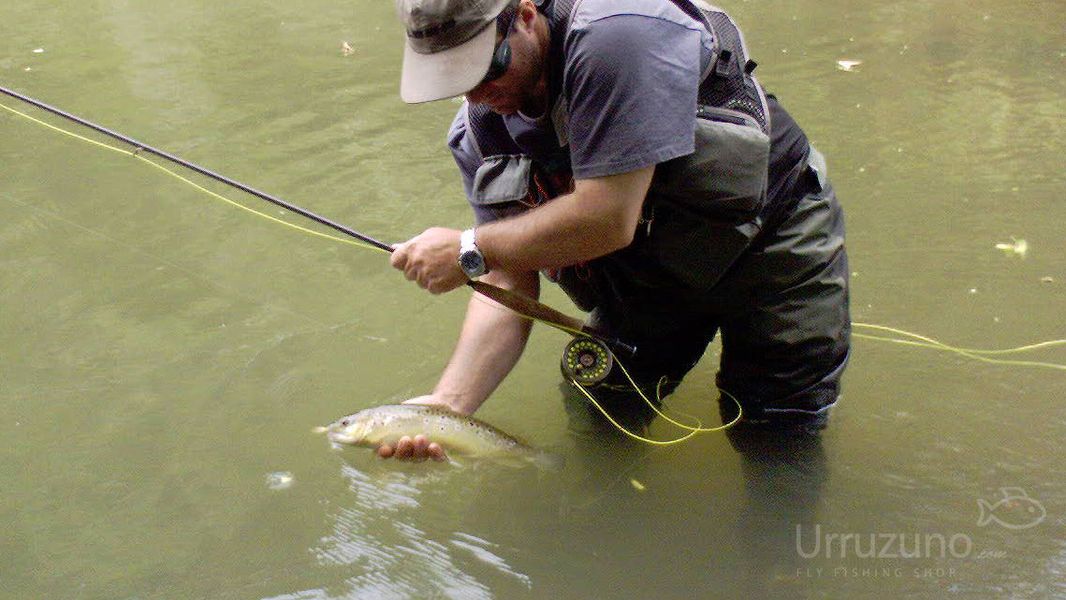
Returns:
<point x="586" y="361"/>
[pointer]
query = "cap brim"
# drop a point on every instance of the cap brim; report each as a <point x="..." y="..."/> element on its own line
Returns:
<point x="449" y="72"/>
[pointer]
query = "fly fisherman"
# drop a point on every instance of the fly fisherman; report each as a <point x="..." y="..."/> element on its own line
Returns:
<point x="623" y="149"/>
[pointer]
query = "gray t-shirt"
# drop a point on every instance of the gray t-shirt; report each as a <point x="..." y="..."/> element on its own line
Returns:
<point x="631" y="79"/>
<point x="629" y="86"/>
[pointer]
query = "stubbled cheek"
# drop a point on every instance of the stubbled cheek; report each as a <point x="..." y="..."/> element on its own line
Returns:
<point x="483" y="98"/>
<point x="488" y="93"/>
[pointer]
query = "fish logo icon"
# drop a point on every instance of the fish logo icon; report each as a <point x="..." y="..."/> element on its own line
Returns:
<point x="1016" y="510"/>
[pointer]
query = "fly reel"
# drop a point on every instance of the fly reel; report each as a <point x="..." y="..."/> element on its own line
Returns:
<point x="587" y="361"/>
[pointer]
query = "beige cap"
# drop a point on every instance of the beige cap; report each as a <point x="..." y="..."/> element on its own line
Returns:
<point x="449" y="46"/>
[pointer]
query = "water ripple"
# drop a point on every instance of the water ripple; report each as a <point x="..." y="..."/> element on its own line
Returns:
<point x="484" y="555"/>
<point x="396" y="557"/>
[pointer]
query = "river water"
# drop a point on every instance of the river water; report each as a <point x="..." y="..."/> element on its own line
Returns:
<point x="165" y="355"/>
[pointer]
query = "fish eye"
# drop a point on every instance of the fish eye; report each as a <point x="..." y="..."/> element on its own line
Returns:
<point x="345" y="422"/>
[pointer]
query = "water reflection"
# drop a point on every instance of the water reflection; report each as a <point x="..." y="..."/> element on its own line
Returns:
<point x="784" y="471"/>
<point x="182" y="350"/>
<point x="784" y="476"/>
<point x="383" y="535"/>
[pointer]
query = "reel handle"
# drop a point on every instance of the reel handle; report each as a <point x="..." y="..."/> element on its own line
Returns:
<point x="616" y="345"/>
<point x="620" y="347"/>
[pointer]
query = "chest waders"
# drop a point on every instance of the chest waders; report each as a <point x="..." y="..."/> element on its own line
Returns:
<point x="702" y="210"/>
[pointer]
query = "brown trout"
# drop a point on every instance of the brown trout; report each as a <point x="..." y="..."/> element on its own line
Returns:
<point x="456" y="433"/>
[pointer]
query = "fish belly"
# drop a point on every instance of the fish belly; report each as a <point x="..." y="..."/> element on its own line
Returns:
<point x="454" y="437"/>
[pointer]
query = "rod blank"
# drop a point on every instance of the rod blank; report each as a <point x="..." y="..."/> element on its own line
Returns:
<point x="141" y="146"/>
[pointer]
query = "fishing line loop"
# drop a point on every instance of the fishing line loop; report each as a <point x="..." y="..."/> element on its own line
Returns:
<point x="692" y="429"/>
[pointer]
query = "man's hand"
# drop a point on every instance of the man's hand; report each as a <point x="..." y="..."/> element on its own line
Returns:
<point x="431" y="259"/>
<point x="418" y="448"/>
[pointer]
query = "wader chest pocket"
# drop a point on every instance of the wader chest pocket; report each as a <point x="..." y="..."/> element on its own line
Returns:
<point x="707" y="203"/>
<point x="501" y="179"/>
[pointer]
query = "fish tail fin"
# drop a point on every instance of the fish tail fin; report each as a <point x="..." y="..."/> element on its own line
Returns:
<point x="986" y="512"/>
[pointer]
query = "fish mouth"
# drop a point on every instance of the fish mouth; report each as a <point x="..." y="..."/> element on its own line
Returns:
<point x="350" y="435"/>
<point x="338" y="437"/>
<point x="334" y="434"/>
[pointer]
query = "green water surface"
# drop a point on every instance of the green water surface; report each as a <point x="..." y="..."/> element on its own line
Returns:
<point x="163" y="353"/>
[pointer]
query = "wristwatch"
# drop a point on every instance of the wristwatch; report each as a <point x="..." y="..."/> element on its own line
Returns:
<point x="471" y="260"/>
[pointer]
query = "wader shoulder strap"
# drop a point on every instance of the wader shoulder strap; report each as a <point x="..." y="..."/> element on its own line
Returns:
<point x="728" y="89"/>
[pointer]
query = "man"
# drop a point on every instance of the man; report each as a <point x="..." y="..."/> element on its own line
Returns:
<point x="624" y="149"/>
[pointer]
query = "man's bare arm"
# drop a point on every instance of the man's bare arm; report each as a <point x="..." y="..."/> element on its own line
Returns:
<point x="599" y="217"/>
<point x="490" y="342"/>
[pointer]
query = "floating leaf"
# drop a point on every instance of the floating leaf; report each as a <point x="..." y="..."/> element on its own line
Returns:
<point x="280" y="480"/>
<point x="1014" y="247"/>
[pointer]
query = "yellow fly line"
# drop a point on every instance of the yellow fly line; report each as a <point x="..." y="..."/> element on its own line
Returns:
<point x="573" y="331"/>
<point x="922" y="341"/>
<point x="692" y="430"/>
<point x="915" y="339"/>
<point x="179" y="177"/>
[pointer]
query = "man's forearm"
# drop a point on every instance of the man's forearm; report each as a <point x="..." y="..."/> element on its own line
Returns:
<point x="599" y="217"/>
<point x="490" y="342"/>
<point x="596" y="219"/>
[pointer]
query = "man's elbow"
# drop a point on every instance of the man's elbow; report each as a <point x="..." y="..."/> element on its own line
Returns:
<point x="621" y="201"/>
<point x="624" y="235"/>
<point x="618" y="232"/>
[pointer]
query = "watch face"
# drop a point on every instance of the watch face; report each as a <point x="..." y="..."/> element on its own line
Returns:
<point x="472" y="262"/>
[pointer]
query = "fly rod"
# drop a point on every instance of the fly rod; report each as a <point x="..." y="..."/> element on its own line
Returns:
<point x="142" y="147"/>
<point x="520" y="304"/>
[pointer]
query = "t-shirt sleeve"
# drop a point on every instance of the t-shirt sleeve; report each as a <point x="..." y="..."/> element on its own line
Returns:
<point x="631" y="83"/>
